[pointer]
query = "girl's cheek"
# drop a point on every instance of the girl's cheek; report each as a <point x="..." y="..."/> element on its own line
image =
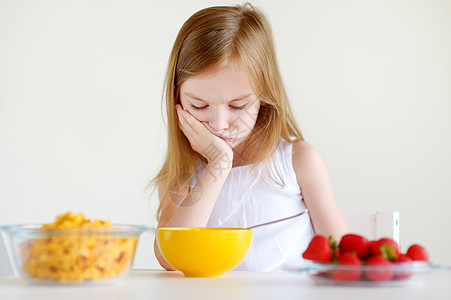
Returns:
<point x="199" y="115"/>
<point x="250" y="114"/>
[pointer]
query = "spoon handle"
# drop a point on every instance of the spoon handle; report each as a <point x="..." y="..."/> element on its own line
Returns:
<point x="277" y="221"/>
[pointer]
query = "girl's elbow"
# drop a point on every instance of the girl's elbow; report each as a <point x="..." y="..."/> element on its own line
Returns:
<point x="166" y="265"/>
<point x="163" y="263"/>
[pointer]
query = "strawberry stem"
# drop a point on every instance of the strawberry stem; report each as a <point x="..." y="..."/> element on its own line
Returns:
<point x="334" y="246"/>
<point x="388" y="252"/>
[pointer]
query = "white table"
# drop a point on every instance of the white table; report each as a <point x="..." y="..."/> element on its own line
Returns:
<point x="158" y="284"/>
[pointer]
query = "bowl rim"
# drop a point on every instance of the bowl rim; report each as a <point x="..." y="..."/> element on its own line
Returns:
<point x="35" y="229"/>
<point x="203" y="229"/>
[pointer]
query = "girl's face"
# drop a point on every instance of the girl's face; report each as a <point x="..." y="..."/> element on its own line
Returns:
<point x="223" y="100"/>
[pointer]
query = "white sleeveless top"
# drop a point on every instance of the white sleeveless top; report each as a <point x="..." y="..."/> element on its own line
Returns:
<point x="248" y="199"/>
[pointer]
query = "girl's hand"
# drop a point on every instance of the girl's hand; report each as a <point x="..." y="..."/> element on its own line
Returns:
<point x="210" y="146"/>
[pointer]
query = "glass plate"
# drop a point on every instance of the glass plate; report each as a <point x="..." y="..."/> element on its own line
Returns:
<point x="397" y="274"/>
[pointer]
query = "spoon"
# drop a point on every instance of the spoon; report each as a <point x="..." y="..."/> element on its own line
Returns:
<point x="277" y="221"/>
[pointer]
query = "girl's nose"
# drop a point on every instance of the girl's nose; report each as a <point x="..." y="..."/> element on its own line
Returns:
<point x="219" y="121"/>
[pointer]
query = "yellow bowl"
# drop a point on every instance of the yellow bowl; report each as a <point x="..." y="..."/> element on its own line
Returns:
<point x="206" y="251"/>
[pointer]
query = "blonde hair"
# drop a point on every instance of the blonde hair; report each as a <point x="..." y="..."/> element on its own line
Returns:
<point x="215" y="35"/>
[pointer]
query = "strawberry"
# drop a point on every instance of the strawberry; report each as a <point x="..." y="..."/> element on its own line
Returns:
<point x="355" y="243"/>
<point x="351" y="270"/>
<point x="378" y="269"/>
<point x="385" y="247"/>
<point x="402" y="264"/>
<point x="402" y="258"/>
<point x="319" y="249"/>
<point x="417" y="252"/>
<point x="336" y="254"/>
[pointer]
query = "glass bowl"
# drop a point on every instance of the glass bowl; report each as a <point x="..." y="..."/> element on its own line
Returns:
<point x="397" y="274"/>
<point x="72" y="255"/>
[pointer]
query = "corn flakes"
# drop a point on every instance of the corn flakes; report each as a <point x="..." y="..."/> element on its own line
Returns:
<point x="73" y="251"/>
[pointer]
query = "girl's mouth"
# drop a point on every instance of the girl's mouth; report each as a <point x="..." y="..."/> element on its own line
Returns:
<point x="225" y="138"/>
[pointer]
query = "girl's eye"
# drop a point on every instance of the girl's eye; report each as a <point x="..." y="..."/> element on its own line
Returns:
<point x="232" y="107"/>
<point x="198" y="107"/>
<point x="241" y="107"/>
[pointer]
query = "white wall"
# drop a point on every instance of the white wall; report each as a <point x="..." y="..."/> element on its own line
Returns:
<point x="80" y="90"/>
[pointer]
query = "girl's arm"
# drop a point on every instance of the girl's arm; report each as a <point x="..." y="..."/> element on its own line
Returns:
<point x="201" y="200"/>
<point x="197" y="203"/>
<point x="314" y="181"/>
<point x="193" y="207"/>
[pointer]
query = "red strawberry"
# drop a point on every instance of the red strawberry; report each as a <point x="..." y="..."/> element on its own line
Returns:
<point x="355" y="243"/>
<point x="402" y="258"/>
<point x="319" y="249"/>
<point x="385" y="247"/>
<point x="378" y="269"/>
<point x="417" y="252"/>
<point x="402" y="264"/>
<point x="336" y="255"/>
<point x="351" y="268"/>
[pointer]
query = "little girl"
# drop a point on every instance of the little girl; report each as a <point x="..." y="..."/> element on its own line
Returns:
<point x="236" y="156"/>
